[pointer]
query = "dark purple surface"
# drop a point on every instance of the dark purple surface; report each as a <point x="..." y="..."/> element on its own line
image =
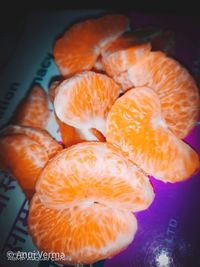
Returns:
<point x="168" y="232"/>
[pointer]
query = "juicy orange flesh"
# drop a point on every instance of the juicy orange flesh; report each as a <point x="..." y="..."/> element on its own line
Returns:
<point x="87" y="95"/>
<point x="33" y="109"/>
<point x="123" y="42"/>
<point x="84" y="101"/>
<point x="175" y="86"/>
<point x="79" y="232"/>
<point x="24" y="153"/>
<point x="86" y="193"/>
<point x="83" y="203"/>
<point x="120" y="61"/>
<point x="24" y="158"/>
<point x="40" y="136"/>
<point x="122" y="53"/>
<point x="112" y="180"/>
<point x="69" y="134"/>
<point x="136" y="125"/>
<point x="71" y="57"/>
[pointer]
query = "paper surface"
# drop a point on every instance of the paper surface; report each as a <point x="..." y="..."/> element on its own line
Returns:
<point x="169" y="232"/>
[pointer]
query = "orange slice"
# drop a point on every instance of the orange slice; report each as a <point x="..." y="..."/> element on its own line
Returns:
<point x="69" y="134"/>
<point x="113" y="179"/>
<point x="135" y="124"/>
<point x="83" y="102"/>
<point x="125" y="41"/>
<point x="79" y="47"/>
<point x="33" y="109"/>
<point x="24" y="151"/>
<point x="83" y="234"/>
<point x="83" y="211"/>
<point x="122" y="53"/>
<point x="176" y="88"/>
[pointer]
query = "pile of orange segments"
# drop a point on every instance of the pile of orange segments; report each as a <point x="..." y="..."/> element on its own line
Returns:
<point x="123" y="106"/>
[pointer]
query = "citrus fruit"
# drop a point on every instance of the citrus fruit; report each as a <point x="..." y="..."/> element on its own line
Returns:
<point x="24" y="151"/>
<point x="119" y="55"/>
<point x="33" y="109"/>
<point x="69" y="134"/>
<point x="79" y="47"/>
<point x="135" y="123"/>
<point x="112" y="178"/>
<point x="84" y="201"/>
<point x="83" y="102"/>
<point x="175" y="87"/>
<point x="83" y="234"/>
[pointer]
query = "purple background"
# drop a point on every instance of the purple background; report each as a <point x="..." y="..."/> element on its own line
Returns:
<point x="168" y="232"/>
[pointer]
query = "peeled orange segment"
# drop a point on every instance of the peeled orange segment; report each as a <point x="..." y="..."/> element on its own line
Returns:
<point x="175" y="87"/>
<point x="122" y="60"/>
<point x="136" y="125"/>
<point x="119" y="55"/>
<point x="84" y="234"/>
<point x="42" y="137"/>
<point x="109" y="27"/>
<point x="83" y="202"/>
<point x="79" y="47"/>
<point x="123" y="42"/>
<point x="84" y="100"/>
<point x="24" y="159"/>
<point x="33" y="109"/>
<point x="122" y="53"/>
<point x="69" y="134"/>
<point x="112" y="180"/>
<point x="24" y="151"/>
